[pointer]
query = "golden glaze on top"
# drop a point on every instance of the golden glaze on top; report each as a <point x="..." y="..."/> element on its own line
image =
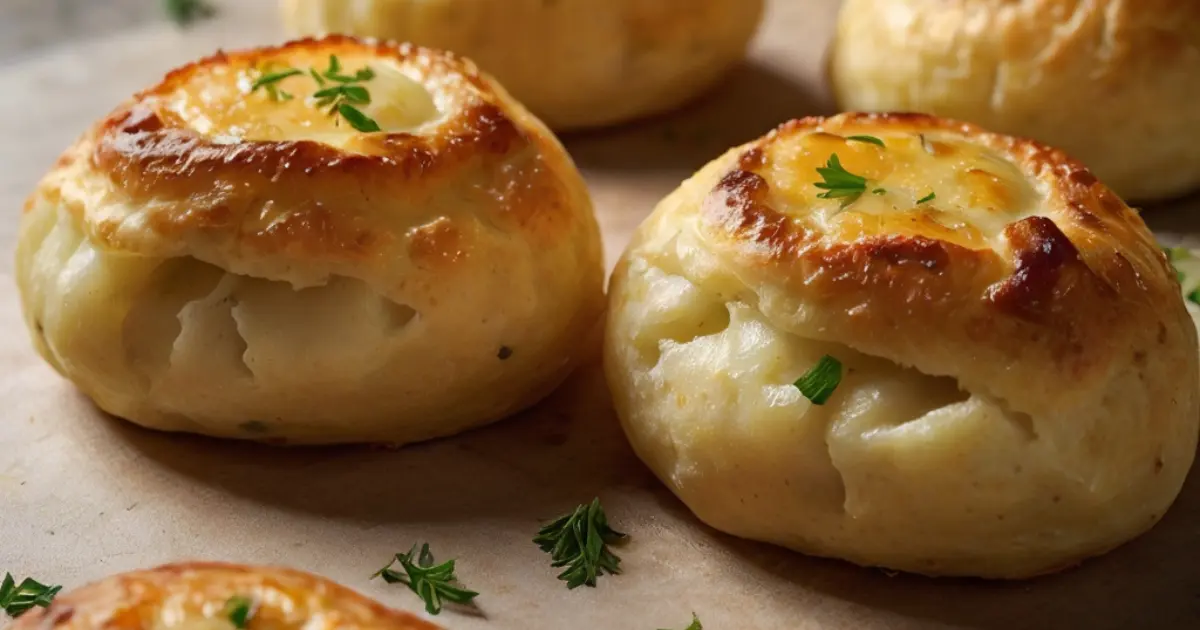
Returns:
<point x="1020" y="388"/>
<point x="199" y="165"/>
<point x="1020" y="241"/>
<point x="192" y="596"/>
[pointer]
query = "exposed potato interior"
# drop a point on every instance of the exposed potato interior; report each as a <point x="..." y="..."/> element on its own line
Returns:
<point x="180" y="321"/>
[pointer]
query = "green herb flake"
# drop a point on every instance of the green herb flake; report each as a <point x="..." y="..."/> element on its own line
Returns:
<point x="838" y="183"/>
<point x="819" y="382"/>
<point x="239" y="610"/>
<point x="579" y="541"/>
<point x="16" y="599"/>
<point x="340" y="98"/>
<point x="357" y="119"/>
<point x="930" y="197"/>
<point x="695" y="625"/>
<point x="1193" y="296"/>
<point x="269" y="82"/>
<point x="185" y="12"/>
<point x="433" y="583"/>
<point x="865" y="138"/>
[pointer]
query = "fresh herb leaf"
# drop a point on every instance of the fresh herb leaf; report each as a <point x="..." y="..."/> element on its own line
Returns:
<point x="695" y="625"/>
<point x="1194" y="296"/>
<point x="819" y="382"/>
<point x="879" y="191"/>
<point x="270" y="78"/>
<point x="357" y="119"/>
<point x="16" y="599"/>
<point x="865" y="138"/>
<point x="184" y="12"/>
<point x="579" y="541"/>
<point x="433" y="583"/>
<point x="837" y="182"/>
<point x="269" y="81"/>
<point x="930" y="197"/>
<point x="239" y="610"/>
<point x="340" y="98"/>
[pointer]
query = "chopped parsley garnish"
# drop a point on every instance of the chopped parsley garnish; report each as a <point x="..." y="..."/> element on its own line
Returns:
<point x="433" y="583"/>
<point x="695" y="625"/>
<point x="184" y="12"/>
<point x="930" y="197"/>
<point x="865" y="138"/>
<point x="239" y="610"/>
<point x="339" y="94"/>
<point x="838" y="183"/>
<point x="17" y="599"/>
<point x="579" y="541"/>
<point x="819" y="382"/>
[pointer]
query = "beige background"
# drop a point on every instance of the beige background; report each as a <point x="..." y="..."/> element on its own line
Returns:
<point x="83" y="495"/>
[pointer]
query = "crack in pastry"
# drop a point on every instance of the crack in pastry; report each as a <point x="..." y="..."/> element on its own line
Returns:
<point x="214" y="253"/>
<point x="1019" y="385"/>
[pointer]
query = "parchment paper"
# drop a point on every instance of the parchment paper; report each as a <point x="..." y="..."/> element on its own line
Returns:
<point x="83" y="495"/>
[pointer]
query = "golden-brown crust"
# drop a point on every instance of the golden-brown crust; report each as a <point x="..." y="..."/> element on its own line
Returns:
<point x="1020" y="384"/>
<point x="286" y="199"/>
<point x="1036" y="284"/>
<point x="217" y="226"/>
<point x="1039" y="68"/>
<point x="575" y="64"/>
<point x="181" y="594"/>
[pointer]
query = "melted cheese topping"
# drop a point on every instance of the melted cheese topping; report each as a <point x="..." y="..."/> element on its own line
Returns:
<point x="978" y="192"/>
<point x="218" y="102"/>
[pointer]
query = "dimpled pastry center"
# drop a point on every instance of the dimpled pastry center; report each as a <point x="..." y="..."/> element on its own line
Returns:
<point x="975" y="192"/>
<point x="220" y="102"/>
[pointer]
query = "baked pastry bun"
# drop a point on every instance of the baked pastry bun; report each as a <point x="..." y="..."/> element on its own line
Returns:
<point x="575" y="63"/>
<point x="1018" y="386"/>
<point x="1113" y="83"/>
<point x="241" y="263"/>
<point x="198" y="596"/>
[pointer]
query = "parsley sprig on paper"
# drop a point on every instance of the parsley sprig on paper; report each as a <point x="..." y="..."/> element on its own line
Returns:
<point x="695" y="625"/>
<point x="17" y="599"/>
<point x="433" y="583"/>
<point x="339" y="93"/>
<point x="579" y="541"/>
<point x="184" y="12"/>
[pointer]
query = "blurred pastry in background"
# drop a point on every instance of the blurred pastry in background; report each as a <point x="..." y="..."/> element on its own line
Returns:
<point x="1113" y="83"/>
<point x="907" y="342"/>
<point x="327" y="241"/>
<point x="216" y="596"/>
<point x="574" y="63"/>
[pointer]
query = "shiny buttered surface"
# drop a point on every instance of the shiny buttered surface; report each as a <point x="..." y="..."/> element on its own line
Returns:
<point x="207" y="596"/>
<point x="1019" y="387"/>
<point x="228" y="253"/>
<point x="575" y="63"/>
<point x="1113" y="83"/>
